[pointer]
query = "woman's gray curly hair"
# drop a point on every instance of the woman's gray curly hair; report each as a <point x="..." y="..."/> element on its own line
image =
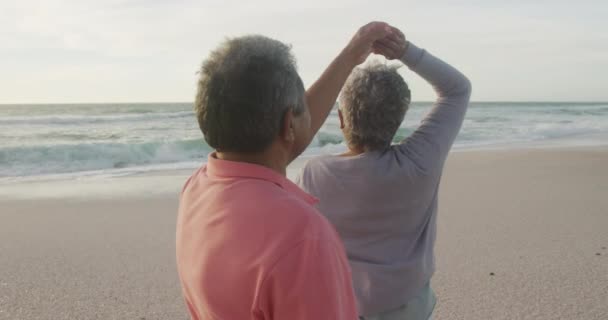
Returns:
<point x="373" y="103"/>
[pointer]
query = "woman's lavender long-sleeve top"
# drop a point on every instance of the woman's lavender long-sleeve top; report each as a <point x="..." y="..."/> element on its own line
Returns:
<point x="384" y="204"/>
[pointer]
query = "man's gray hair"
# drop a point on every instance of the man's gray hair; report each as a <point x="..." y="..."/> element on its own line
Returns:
<point x="245" y="88"/>
<point x="373" y="103"/>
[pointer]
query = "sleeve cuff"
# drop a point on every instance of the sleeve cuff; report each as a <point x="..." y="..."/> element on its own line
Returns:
<point x="412" y="55"/>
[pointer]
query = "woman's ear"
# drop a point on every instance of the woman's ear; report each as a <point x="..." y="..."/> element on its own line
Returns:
<point x="341" y="119"/>
<point x="287" y="130"/>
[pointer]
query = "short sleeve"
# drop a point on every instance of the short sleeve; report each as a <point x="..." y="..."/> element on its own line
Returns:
<point x="311" y="281"/>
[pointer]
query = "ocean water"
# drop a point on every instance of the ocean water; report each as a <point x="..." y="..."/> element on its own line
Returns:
<point x="73" y="141"/>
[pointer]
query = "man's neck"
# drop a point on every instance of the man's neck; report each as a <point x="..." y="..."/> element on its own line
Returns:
<point x="261" y="158"/>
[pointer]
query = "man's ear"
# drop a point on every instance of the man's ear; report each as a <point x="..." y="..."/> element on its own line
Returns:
<point x="341" y="119"/>
<point x="287" y="130"/>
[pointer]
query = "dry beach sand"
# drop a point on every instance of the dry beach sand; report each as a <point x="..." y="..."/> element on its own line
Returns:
<point x="522" y="235"/>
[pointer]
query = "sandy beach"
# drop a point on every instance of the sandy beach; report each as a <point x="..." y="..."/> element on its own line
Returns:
<point x="522" y="234"/>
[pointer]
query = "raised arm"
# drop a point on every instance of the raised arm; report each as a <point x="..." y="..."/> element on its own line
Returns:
<point x="430" y="144"/>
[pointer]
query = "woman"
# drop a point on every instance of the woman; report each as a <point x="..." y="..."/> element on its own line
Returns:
<point x="382" y="198"/>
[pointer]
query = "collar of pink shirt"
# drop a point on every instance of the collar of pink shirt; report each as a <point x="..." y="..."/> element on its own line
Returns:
<point x="217" y="168"/>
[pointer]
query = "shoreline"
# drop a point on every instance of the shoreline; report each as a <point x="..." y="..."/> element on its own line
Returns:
<point x="169" y="182"/>
<point x="101" y="176"/>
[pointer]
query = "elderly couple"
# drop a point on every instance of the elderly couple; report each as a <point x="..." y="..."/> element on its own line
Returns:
<point x="353" y="239"/>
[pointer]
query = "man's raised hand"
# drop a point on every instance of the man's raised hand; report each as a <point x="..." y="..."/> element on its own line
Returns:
<point x="393" y="46"/>
<point x="363" y="42"/>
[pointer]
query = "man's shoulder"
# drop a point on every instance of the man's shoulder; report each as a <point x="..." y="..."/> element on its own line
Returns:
<point x="291" y="219"/>
<point x="193" y="176"/>
<point x="297" y="210"/>
<point x="257" y="204"/>
<point x="265" y="199"/>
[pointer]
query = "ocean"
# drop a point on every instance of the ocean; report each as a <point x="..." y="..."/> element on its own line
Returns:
<point x="68" y="141"/>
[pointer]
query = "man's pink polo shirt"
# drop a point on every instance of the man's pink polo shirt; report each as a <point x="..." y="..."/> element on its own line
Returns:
<point x="250" y="245"/>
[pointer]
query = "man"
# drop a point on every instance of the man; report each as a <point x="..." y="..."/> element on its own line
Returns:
<point x="250" y="244"/>
<point x="382" y="198"/>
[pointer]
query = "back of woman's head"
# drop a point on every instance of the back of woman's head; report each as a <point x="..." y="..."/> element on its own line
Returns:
<point x="373" y="103"/>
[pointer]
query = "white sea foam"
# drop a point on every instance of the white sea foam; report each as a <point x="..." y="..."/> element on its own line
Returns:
<point x="92" y="141"/>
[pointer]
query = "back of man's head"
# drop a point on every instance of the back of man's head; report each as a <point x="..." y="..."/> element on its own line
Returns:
<point x="246" y="86"/>
<point x="373" y="103"/>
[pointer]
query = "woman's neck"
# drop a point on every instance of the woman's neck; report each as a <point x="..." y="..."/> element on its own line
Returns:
<point x="353" y="152"/>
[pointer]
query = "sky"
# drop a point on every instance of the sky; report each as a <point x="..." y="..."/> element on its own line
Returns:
<point x="61" y="51"/>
